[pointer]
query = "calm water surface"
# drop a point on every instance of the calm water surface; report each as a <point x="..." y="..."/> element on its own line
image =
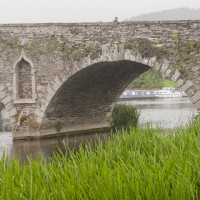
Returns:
<point x="165" y="112"/>
<point x="168" y="113"/>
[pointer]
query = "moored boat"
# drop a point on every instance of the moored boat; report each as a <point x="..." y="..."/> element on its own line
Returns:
<point x="166" y="92"/>
<point x="137" y="94"/>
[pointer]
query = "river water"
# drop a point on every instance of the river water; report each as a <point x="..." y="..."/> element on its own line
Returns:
<point x="166" y="112"/>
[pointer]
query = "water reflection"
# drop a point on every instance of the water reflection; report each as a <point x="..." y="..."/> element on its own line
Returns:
<point x="165" y="112"/>
<point x="169" y="113"/>
<point x="45" y="147"/>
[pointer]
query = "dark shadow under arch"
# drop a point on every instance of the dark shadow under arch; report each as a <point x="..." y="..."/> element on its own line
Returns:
<point x="86" y="99"/>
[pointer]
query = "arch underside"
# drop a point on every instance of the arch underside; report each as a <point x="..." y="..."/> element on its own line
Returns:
<point x="86" y="99"/>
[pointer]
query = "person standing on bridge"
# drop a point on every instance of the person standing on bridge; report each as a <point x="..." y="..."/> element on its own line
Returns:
<point x="115" y="21"/>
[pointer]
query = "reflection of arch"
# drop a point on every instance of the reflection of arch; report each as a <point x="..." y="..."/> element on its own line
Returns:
<point x="24" y="85"/>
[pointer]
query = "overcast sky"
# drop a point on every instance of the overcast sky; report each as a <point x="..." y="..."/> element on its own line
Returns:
<point x="34" y="11"/>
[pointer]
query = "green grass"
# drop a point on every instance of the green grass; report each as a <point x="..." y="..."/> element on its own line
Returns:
<point x="140" y="164"/>
<point x="168" y="83"/>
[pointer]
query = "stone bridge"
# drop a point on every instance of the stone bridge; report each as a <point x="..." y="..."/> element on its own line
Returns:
<point x="58" y="78"/>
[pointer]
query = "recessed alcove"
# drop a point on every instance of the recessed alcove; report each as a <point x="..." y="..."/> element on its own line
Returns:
<point x="24" y="85"/>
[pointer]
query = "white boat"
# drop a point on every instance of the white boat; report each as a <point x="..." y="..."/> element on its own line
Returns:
<point x="137" y="94"/>
<point x="168" y="92"/>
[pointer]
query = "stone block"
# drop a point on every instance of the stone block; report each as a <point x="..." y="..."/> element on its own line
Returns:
<point x="152" y="61"/>
<point x="168" y="73"/>
<point x="10" y="89"/>
<point x="186" y="86"/>
<point x="190" y="92"/>
<point x="2" y="87"/>
<point x="9" y="106"/>
<point x="8" y="84"/>
<point x="2" y="94"/>
<point x="127" y="54"/>
<point x="45" y="102"/>
<point x="197" y="105"/>
<point x="56" y="86"/>
<point x="179" y="82"/>
<point x="58" y="81"/>
<point x="41" y="88"/>
<point x="13" y="120"/>
<point x="157" y="65"/>
<point x="39" y="120"/>
<point x="121" y="52"/>
<point x="12" y="112"/>
<point x="164" y="67"/>
<point x="64" y="78"/>
<point x="6" y="100"/>
<point x="50" y="90"/>
<point x="132" y="57"/>
<point x="43" y="108"/>
<point x="145" y="61"/>
<point x="175" y="76"/>
<point x="48" y="97"/>
<point x="138" y="58"/>
<point x="195" y="97"/>
<point x="39" y="113"/>
<point x="24" y="101"/>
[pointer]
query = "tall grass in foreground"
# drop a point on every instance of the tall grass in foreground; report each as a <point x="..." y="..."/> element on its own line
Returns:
<point x="141" y="164"/>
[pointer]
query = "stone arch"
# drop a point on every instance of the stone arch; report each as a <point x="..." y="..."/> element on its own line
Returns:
<point x="24" y="80"/>
<point x="6" y="100"/>
<point x="109" y="57"/>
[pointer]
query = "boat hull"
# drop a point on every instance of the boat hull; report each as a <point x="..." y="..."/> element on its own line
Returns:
<point x="166" y="92"/>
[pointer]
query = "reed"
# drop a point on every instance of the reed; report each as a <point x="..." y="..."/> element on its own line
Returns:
<point x="142" y="163"/>
<point x="124" y="116"/>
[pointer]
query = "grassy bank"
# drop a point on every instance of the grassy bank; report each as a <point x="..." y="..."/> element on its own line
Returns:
<point x="141" y="164"/>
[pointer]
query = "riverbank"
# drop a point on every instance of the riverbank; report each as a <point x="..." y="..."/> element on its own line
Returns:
<point x="141" y="164"/>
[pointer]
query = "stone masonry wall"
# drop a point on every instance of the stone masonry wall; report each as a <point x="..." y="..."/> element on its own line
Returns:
<point x="25" y="86"/>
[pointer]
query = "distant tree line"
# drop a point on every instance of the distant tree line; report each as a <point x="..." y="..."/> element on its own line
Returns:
<point x="150" y="80"/>
<point x="172" y="14"/>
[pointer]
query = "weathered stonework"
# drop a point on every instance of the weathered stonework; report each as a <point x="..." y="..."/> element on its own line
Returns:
<point x="24" y="84"/>
<point x="72" y="74"/>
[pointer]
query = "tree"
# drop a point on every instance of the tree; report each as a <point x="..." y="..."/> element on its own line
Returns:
<point x="148" y="80"/>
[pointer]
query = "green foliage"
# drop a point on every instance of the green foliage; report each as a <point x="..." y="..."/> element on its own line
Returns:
<point x="58" y="126"/>
<point x="54" y="45"/>
<point x="124" y="116"/>
<point x="182" y="52"/>
<point x="141" y="45"/>
<point x="140" y="164"/>
<point x="94" y="50"/>
<point x="148" y="80"/>
<point x="29" y="121"/>
<point x="177" y="38"/>
<point x="168" y="83"/>
<point x="78" y="54"/>
<point x="36" y="47"/>
<point x="132" y="45"/>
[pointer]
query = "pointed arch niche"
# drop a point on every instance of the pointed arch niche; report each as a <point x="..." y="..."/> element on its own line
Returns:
<point x="24" y="85"/>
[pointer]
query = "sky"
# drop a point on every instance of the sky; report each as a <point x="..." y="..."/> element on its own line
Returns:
<point x="65" y="11"/>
